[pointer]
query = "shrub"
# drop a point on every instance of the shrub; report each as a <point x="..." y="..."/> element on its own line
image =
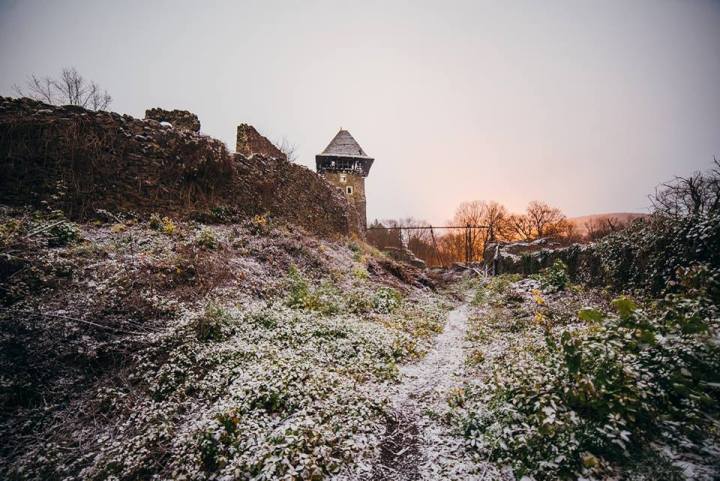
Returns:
<point x="156" y="221"/>
<point x="587" y="397"/>
<point x="387" y="300"/>
<point x="264" y="318"/>
<point x="324" y="299"/>
<point x="299" y="289"/>
<point x="360" y="273"/>
<point x="206" y="239"/>
<point x="168" y="226"/>
<point x="359" y="302"/>
<point x="554" y="278"/>
<point x="496" y="285"/>
<point x="222" y="214"/>
<point x="63" y="234"/>
<point x="209" y="325"/>
<point x="260" y="225"/>
<point x="651" y="255"/>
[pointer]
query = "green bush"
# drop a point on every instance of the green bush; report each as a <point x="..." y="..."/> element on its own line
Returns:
<point x="223" y="214"/>
<point x="554" y="278"/>
<point x="651" y="255"/>
<point x="323" y="299"/>
<point x="360" y="273"/>
<point x="206" y="239"/>
<point x="298" y="288"/>
<point x="358" y="302"/>
<point x="589" y="397"/>
<point x="210" y="324"/>
<point x="386" y="300"/>
<point x="63" y="234"/>
<point x="495" y="285"/>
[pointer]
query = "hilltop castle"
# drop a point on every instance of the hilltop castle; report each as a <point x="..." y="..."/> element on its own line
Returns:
<point x="345" y="165"/>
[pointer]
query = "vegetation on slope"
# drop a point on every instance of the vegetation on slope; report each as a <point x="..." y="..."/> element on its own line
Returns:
<point x="573" y="381"/>
<point x="185" y="351"/>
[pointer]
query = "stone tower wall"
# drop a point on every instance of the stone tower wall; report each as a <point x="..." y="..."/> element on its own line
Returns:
<point x="357" y="197"/>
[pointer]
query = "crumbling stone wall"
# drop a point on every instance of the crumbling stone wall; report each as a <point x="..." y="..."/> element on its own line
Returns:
<point x="80" y="161"/>
<point x="295" y="193"/>
<point x="250" y="142"/>
<point x="531" y="257"/>
<point x="180" y="119"/>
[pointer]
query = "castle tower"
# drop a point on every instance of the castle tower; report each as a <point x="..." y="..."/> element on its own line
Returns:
<point x="345" y="165"/>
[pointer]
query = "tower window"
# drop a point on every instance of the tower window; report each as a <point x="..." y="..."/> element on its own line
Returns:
<point x="349" y="189"/>
<point x="343" y="178"/>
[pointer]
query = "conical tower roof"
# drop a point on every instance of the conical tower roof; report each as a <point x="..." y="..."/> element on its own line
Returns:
<point x="344" y="145"/>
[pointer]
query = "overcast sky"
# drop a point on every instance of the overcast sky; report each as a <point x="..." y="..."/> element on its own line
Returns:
<point x="587" y="105"/>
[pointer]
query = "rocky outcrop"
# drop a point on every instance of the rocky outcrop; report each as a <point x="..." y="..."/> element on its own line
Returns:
<point x="81" y="161"/>
<point x="405" y="256"/>
<point x="531" y="257"/>
<point x="179" y="119"/>
<point x="250" y="142"/>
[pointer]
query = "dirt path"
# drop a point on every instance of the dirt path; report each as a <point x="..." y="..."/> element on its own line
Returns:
<point x="417" y="444"/>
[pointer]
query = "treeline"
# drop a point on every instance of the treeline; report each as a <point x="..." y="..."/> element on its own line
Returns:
<point x="444" y="247"/>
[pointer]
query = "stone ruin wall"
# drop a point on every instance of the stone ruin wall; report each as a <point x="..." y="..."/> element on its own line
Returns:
<point x="250" y="143"/>
<point x="81" y="161"/>
<point x="526" y="258"/>
<point x="179" y="119"/>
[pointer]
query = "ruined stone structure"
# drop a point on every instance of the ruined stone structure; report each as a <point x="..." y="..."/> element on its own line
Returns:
<point x="250" y="142"/>
<point x="179" y="119"/>
<point x="82" y="162"/>
<point x="345" y="165"/>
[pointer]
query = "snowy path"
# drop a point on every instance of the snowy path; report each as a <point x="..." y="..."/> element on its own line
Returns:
<point x="417" y="444"/>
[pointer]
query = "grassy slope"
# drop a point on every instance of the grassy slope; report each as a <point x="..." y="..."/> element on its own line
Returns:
<point x="185" y="351"/>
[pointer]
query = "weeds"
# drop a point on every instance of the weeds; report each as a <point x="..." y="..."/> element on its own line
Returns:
<point x="206" y="239"/>
<point x="554" y="278"/>
<point x="209" y="325"/>
<point x="387" y="300"/>
<point x="260" y="225"/>
<point x="323" y="299"/>
<point x="578" y="400"/>
<point x="155" y="222"/>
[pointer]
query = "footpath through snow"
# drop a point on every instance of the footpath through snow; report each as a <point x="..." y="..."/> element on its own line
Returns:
<point x="417" y="443"/>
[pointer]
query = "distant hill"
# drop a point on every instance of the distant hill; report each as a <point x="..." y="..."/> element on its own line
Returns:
<point x="579" y="222"/>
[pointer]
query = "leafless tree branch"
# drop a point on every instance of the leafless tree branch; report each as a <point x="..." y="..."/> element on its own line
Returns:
<point x="70" y="88"/>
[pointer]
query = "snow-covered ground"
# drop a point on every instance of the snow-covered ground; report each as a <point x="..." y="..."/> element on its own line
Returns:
<point x="418" y="442"/>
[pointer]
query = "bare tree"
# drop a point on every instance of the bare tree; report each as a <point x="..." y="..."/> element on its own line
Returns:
<point x="70" y="88"/>
<point x="472" y="214"/>
<point x="382" y="235"/>
<point x="288" y="148"/>
<point x="544" y="218"/>
<point x="497" y="219"/>
<point x="566" y="232"/>
<point x="452" y="246"/>
<point x="492" y="216"/>
<point x="697" y="194"/>
<point x="598" y="228"/>
<point x="521" y="226"/>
